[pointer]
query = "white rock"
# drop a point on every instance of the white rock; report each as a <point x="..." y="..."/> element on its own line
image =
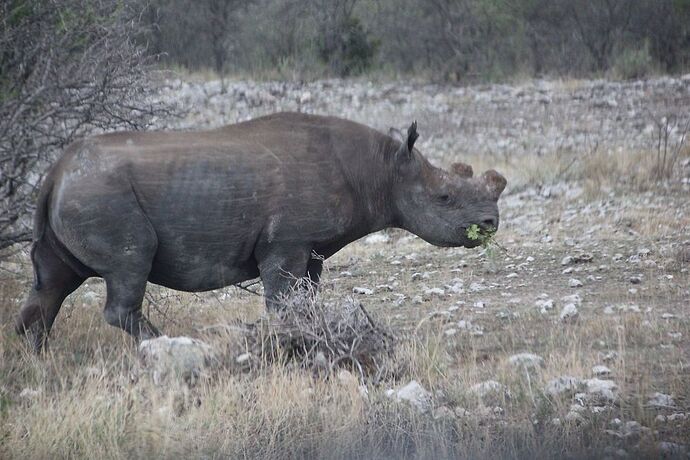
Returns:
<point x="544" y="305"/>
<point x="175" y="357"/>
<point x="362" y="290"/>
<point x="660" y="400"/>
<point x="569" y="312"/>
<point x="443" y="413"/>
<point x="433" y="292"/>
<point x="604" y="389"/>
<point x="601" y="371"/>
<point x="563" y="385"/>
<point x="573" y="298"/>
<point x="377" y="238"/>
<point x="414" y="394"/>
<point x="527" y="360"/>
<point x="29" y="393"/>
<point x="567" y="260"/>
<point x="490" y="387"/>
<point x="243" y="358"/>
<point x="574" y="282"/>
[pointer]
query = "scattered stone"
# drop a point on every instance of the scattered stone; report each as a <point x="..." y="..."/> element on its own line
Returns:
<point x="563" y="385"/>
<point x="635" y="279"/>
<point x="573" y="298"/>
<point x="175" y="357"/>
<point x="243" y="358"/>
<point x="476" y="287"/>
<point x="415" y="395"/>
<point x="660" y="401"/>
<point x="569" y="313"/>
<point x="604" y="390"/>
<point x="574" y="283"/>
<point x="601" y="371"/>
<point x="490" y="389"/>
<point x="362" y="290"/>
<point x="526" y="360"/>
<point x="30" y="394"/>
<point x="433" y="292"/>
<point x="377" y="238"/>
<point x="443" y="413"/>
<point x="544" y="305"/>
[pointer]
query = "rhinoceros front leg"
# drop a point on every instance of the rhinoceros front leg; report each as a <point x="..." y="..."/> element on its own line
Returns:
<point x="281" y="269"/>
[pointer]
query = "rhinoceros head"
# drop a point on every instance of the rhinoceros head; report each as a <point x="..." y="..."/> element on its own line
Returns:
<point x="440" y="206"/>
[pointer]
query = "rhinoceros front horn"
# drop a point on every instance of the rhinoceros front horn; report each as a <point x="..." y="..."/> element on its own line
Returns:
<point x="494" y="182"/>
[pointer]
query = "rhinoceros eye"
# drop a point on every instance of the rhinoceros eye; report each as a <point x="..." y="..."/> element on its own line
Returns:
<point x="443" y="198"/>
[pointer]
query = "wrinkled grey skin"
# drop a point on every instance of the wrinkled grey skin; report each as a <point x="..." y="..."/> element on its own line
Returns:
<point x="199" y="211"/>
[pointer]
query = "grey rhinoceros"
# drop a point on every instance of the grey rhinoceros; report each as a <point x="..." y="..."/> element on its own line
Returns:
<point x="196" y="211"/>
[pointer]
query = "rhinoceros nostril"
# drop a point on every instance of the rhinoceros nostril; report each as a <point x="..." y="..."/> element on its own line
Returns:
<point x="490" y="223"/>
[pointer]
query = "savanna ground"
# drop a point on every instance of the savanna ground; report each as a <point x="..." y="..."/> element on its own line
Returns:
<point x="458" y="315"/>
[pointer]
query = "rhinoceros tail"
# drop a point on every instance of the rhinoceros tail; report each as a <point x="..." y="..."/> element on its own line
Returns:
<point x="40" y="223"/>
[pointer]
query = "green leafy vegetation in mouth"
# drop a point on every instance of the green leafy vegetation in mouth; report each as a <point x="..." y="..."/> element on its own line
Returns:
<point x="485" y="237"/>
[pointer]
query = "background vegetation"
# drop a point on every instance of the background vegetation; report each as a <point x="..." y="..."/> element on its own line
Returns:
<point x="452" y="40"/>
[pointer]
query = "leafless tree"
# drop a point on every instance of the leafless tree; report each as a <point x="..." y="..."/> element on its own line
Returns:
<point x="68" y="68"/>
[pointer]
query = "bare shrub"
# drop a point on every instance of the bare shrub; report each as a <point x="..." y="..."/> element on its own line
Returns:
<point x="67" y="69"/>
<point x="316" y="333"/>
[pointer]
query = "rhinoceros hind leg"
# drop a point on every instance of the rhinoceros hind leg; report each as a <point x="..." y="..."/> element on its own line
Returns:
<point x="125" y="294"/>
<point x="55" y="282"/>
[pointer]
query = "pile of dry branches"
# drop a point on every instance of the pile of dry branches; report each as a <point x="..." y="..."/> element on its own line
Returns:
<point x="318" y="335"/>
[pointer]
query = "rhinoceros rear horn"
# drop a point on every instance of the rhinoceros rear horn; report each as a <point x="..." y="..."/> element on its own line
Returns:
<point x="494" y="182"/>
<point x="462" y="170"/>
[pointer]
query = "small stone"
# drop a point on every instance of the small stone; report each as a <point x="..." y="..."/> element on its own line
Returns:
<point x="574" y="282"/>
<point x="573" y="298"/>
<point x="489" y="388"/>
<point x="601" y="371"/>
<point x="377" y="238"/>
<point x="450" y="332"/>
<point x="569" y="313"/>
<point x="526" y="360"/>
<point x="433" y="292"/>
<point x="544" y="305"/>
<point x="414" y="394"/>
<point x="567" y="260"/>
<point x="563" y="385"/>
<point x="362" y="290"/>
<point x="660" y="400"/>
<point x="243" y="358"/>
<point x="181" y="357"/>
<point x="29" y="393"/>
<point x="443" y="413"/>
<point x="603" y="389"/>
<point x="635" y="279"/>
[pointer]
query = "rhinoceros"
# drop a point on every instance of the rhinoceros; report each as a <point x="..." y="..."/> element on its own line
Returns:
<point x="271" y="198"/>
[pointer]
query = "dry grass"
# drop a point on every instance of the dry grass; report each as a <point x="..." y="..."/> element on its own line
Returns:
<point x="88" y="401"/>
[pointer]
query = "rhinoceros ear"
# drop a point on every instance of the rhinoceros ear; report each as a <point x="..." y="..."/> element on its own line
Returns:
<point x="462" y="170"/>
<point x="396" y="134"/>
<point x="494" y="182"/>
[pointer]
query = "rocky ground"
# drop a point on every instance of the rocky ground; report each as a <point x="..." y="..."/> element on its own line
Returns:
<point x="537" y="117"/>
<point x="572" y="337"/>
